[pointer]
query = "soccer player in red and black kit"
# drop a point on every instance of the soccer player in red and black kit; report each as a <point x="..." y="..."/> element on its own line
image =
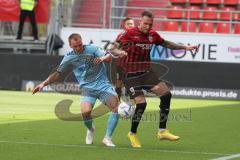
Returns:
<point x="137" y="42"/>
<point x="127" y="24"/>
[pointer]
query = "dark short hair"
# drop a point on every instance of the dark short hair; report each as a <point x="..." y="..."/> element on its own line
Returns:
<point x="126" y="19"/>
<point x="148" y="14"/>
<point x="73" y="36"/>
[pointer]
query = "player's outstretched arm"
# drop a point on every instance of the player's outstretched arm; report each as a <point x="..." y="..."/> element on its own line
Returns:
<point x="175" y="46"/>
<point x="106" y="58"/>
<point x="54" y="77"/>
<point x="115" y="50"/>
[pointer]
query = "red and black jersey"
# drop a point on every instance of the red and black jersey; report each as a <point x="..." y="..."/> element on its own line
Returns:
<point x="120" y="61"/>
<point x="119" y="35"/>
<point x="138" y="46"/>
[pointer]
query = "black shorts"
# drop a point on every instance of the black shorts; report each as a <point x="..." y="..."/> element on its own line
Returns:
<point x="136" y="82"/>
<point x="118" y="90"/>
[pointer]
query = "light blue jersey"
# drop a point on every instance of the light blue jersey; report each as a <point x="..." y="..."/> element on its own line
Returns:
<point x="91" y="77"/>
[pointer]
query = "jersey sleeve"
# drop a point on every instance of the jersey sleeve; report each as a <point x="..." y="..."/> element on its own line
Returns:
<point x="124" y="36"/>
<point x="99" y="52"/>
<point x="124" y="40"/>
<point x="119" y="35"/>
<point x="65" y="65"/>
<point x="159" y="39"/>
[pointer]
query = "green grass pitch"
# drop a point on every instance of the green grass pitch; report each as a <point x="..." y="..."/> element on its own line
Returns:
<point x="29" y="129"/>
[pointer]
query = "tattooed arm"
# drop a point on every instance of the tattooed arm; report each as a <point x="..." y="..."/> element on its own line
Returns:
<point x="175" y="46"/>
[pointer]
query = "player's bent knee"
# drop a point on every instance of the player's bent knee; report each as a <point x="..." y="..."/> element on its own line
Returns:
<point x="115" y="109"/>
<point x="161" y="89"/>
<point x="140" y="99"/>
<point x="86" y="109"/>
<point x="86" y="115"/>
<point x="168" y="94"/>
<point x="113" y="103"/>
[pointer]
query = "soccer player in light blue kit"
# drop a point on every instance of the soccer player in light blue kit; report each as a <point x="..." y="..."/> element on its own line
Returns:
<point x="86" y="61"/>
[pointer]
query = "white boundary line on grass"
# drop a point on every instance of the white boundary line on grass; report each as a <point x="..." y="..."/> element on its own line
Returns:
<point x="228" y="157"/>
<point x="117" y="148"/>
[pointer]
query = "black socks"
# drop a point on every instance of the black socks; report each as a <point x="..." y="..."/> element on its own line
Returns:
<point x="140" y="108"/>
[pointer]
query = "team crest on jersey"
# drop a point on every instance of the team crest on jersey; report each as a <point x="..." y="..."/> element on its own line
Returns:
<point x="88" y="57"/>
<point x="150" y="38"/>
<point x="123" y="33"/>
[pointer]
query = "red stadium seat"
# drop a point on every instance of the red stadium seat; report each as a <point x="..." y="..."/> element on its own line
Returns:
<point x="192" y="27"/>
<point x="192" y="14"/>
<point x="200" y="2"/>
<point x="206" y="27"/>
<point x="237" y="15"/>
<point x="237" y="28"/>
<point x="226" y="15"/>
<point x="223" y="28"/>
<point x="178" y="1"/>
<point x="157" y="25"/>
<point x="214" y="2"/>
<point x="210" y="13"/>
<point x="230" y="2"/>
<point x="170" y="26"/>
<point x="174" y="12"/>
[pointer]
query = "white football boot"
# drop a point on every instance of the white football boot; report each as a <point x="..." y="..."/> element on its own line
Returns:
<point x="108" y="142"/>
<point x="89" y="136"/>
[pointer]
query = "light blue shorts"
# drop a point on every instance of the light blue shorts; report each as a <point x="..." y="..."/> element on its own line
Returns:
<point x="103" y="93"/>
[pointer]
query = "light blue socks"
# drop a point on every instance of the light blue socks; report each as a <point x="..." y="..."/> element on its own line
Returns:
<point x="112" y="123"/>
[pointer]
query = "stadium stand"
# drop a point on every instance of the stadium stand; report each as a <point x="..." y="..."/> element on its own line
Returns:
<point x="192" y="12"/>
<point x="213" y="2"/>
<point x="205" y="16"/>
<point x="210" y="13"/>
<point x="168" y="11"/>
<point x="198" y="2"/>
<point x="91" y="14"/>
<point x="231" y="2"/>
<point x="237" y="28"/>
<point x="223" y="28"/>
<point x="9" y="20"/>
<point x="184" y="12"/>
<point x="237" y="16"/>
<point x="170" y="26"/>
<point x="178" y="1"/>
<point x="143" y="4"/>
<point x="206" y="27"/>
<point x="192" y="27"/>
<point x="175" y="12"/>
<point x="226" y="13"/>
<point x="22" y="47"/>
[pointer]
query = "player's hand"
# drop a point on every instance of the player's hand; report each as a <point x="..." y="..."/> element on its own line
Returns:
<point x="122" y="54"/>
<point x="116" y="53"/>
<point x="97" y="60"/>
<point x="190" y="48"/>
<point x="38" y="88"/>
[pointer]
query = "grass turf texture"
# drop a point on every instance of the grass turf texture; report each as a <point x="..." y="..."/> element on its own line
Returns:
<point x="29" y="129"/>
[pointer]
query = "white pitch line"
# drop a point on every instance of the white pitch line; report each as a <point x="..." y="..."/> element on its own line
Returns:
<point x="117" y="148"/>
<point x="228" y="157"/>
